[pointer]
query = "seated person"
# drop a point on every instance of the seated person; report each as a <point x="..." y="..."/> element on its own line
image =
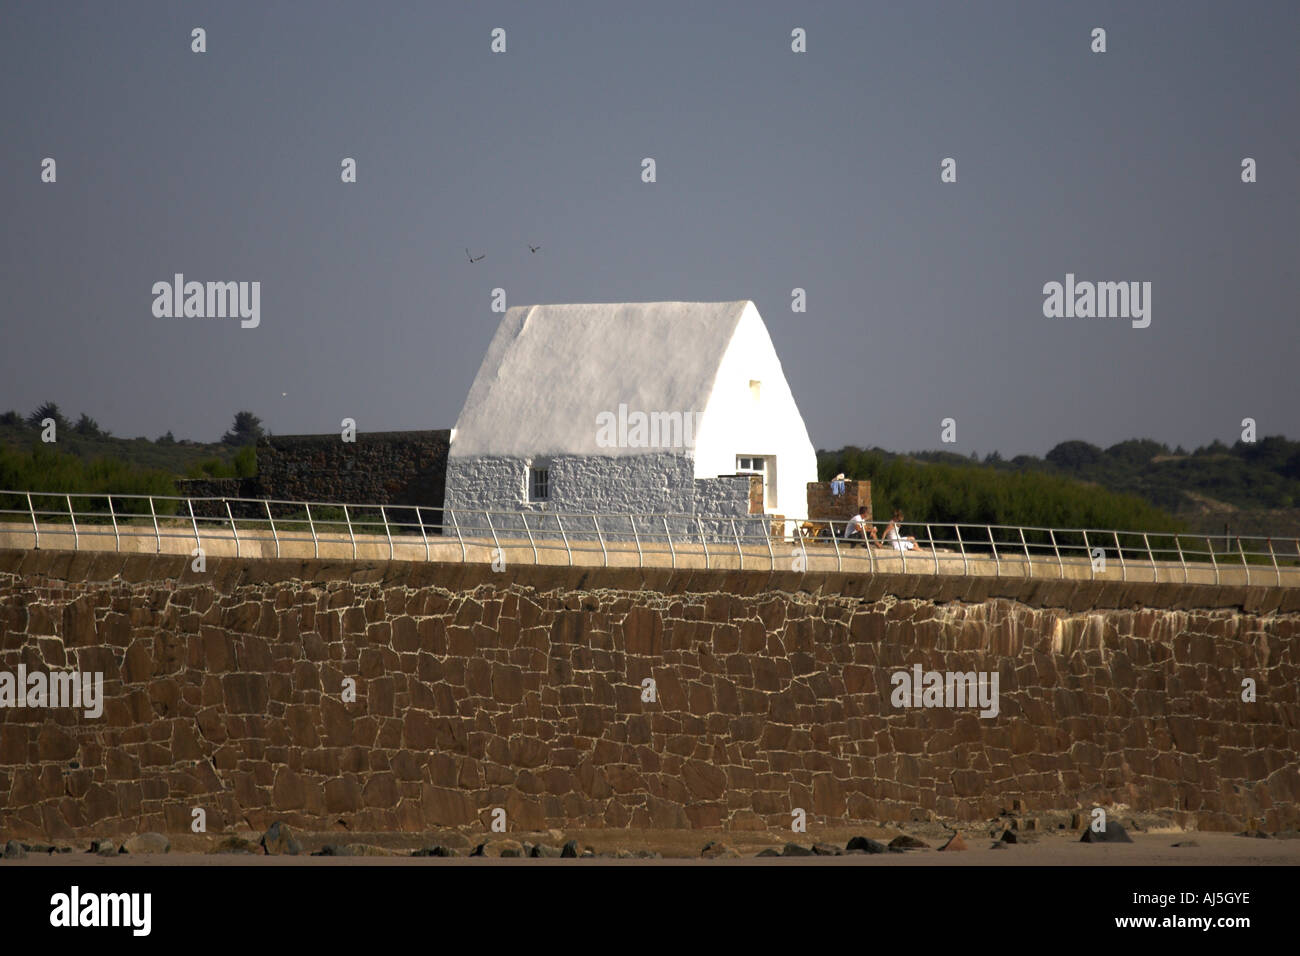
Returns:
<point x="895" y="540"/>
<point x="857" y="528"/>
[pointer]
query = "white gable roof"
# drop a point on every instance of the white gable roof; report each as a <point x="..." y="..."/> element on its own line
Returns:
<point x="551" y="369"/>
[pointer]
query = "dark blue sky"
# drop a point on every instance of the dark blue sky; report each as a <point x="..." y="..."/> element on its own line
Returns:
<point x="775" y="170"/>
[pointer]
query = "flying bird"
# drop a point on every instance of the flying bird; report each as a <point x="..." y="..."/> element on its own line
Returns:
<point x="533" y="248"/>
<point x="474" y="258"/>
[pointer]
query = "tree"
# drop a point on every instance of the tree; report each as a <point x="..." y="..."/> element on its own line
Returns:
<point x="1074" y="455"/>
<point x="48" y="410"/>
<point x="246" y="430"/>
<point x="87" y="427"/>
<point x="1271" y="452"/>
<point x="1136" y="451"/>
<point x="1292" y="468"/>
<point x="168" y="439"/>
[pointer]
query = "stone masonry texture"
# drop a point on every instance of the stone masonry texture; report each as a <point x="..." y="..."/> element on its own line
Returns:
<point x="651" y="483"/>
<point x="611" y="487"/>
<point x="401" y="468"/>
<point x="822" y="505"/>
<point x="477" y="690"/>
<point x="380" y="468"/>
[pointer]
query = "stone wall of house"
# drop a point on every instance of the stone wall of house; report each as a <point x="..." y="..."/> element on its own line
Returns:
<point x="526" y="691"/>
<point x="649" y="484"/>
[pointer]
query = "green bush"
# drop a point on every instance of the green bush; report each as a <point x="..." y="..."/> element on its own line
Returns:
<point x="50" y="474"/>
<point x="973" y="494"/>
<point x="246" y="462"/>
<point x="211" y="468"/>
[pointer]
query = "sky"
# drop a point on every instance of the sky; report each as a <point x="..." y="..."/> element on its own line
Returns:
<point x="775" y="171"/>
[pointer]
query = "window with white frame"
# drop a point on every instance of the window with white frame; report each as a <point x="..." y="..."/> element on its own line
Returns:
<point x="751" y="464"/>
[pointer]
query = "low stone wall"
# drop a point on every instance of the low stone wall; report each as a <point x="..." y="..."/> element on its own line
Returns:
<point x="207" y="492"/>
<point x="825" y="506"/>
<point x="217" y="487"/>
<point x="388" y="468"/>
<point x="526" y="691"/>
<point x="379" y="468"/>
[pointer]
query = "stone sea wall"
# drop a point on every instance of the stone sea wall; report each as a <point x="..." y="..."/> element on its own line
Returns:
<point x="225" y="691"/>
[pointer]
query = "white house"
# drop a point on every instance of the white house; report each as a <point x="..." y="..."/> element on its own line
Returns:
<point x="630" y="408"/>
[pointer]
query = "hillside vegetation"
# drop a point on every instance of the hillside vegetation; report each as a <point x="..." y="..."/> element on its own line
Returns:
<point x="1247" y="475"/>
<point x="1135" y="485"/>
<point x="86" y="459"/>
<point x="971" y="493"/>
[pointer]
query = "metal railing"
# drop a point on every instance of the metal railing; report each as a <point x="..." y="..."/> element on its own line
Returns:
<point x="257" y="527"/>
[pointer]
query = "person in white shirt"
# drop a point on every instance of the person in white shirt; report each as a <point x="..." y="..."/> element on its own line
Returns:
<point x="894" y="539"/>
<point x="858" y="529"/>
